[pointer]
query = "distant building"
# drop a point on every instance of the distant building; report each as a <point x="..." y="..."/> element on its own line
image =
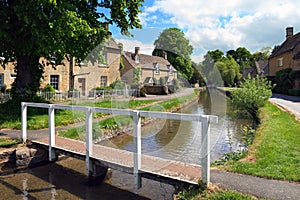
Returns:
<point x="80" y="76"/>
<point x="287" y="55"/>
<point x="152" y="67"/>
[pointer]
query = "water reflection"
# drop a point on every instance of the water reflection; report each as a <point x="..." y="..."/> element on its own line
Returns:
<point x="65" y="179"/>
<point x="181" y="140"/>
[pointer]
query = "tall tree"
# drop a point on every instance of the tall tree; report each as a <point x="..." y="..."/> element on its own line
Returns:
<point x="178" y="49"/>
<point x="243" y="57"/>
<point x="32" y="29"/>
<point x="263" y="54"/>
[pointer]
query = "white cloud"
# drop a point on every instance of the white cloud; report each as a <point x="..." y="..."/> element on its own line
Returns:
<point x="228" y="24"/>
<point x="129" y="45"/>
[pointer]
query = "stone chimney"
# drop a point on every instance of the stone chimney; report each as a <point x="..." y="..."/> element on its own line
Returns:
<point x="289" y="32"/>
<point x="106" y="26"/>
<point x="137" y="51"/>
<point x="165" y="55"/>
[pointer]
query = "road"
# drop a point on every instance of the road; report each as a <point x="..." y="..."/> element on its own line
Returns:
<point x="288" y="103"/>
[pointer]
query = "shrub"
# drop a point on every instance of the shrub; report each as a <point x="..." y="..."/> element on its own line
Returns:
<point x="252" y="95"/>
<point x="118" y="84"/>
<point x="294" y="92"/>
<point x="284" y="81"/>
<point x="162" y="81"/>
<point x="48" y="91"/>
<point x="155" y="82"/>
<point x="2" y="88"/>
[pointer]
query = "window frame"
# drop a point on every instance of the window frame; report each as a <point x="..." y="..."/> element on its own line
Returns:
<point x="54" y="84"/>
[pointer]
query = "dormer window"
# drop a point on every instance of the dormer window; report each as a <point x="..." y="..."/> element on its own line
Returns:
<point x="280" y="62"/>
<point x="156" y="68"/>
<point x="137" y="59"/>
<point x="170" y="67"/>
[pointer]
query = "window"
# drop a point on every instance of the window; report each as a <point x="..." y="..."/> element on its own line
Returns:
<point x="170" y="70"/>
<point x="156" y="67"/>
<point x="280" y="62"/>
<point x="13" y="75"/>
<point x="1" y="79"/>
<point x="103" y="81"/>
<point x="54" y="81"/>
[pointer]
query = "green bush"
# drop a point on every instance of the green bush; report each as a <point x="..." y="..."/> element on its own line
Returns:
<point x="155" y="82"/>
<point x="2" y="88"/>
<point x="118" y="84"/>
<point x="284" y="81"/>
<point x="252" y="95"/>
<point x="48" y="91"/>
<point x="162" y="81"/>
<point x="294" y="92"/>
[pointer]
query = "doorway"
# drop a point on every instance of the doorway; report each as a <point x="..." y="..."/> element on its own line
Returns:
<point x="81" y="84"/>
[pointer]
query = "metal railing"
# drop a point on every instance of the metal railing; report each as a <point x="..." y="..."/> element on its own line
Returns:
<point x="205" y="120"/>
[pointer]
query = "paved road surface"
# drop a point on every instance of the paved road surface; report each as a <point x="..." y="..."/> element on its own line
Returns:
<point x="289" y="103"/>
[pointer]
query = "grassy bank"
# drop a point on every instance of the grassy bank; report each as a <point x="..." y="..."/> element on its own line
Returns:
<point x="275" y="152"/>
<point x="7" y="142"/>
<point x="214" y="193"/>
<point x="38" y="117"/>
<point x="170" y="104"/>
<point x="117" y="122"/>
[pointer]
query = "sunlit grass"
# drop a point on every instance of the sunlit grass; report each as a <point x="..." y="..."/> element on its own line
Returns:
<point x="275" y="152"/>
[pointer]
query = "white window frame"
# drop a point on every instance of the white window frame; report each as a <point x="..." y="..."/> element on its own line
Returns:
<point x="280" y="62"/>
<point x="54" y="83"/>
<point x="103" y="81"/>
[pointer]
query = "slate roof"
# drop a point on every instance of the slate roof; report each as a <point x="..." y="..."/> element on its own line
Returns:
<point x="111" y="43"/>
<point x="288" y="45"/>
<point x="297" y="56"/>
<point x="146" y="61"/>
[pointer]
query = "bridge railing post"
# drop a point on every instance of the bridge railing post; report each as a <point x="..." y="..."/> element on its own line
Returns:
<point x="24" y="121"/>
<point x="205" y="150"/>
<point x="51" y="123"/>
<point x="137" y="149"/>
<point x="89" y="139"/>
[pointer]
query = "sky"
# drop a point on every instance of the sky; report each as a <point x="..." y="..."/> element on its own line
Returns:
<point x="215" y="24"/>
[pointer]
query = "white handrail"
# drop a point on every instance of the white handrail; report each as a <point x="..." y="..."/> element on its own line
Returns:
<point x="205" y="137"/>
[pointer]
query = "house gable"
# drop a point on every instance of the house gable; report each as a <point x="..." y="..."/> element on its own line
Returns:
<point x="151" y="66"/>
<point x="287" y="55"/>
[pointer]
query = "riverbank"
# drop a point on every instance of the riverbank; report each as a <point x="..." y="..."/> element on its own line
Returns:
<point x="275" y="152"/>
<point x="116" y="125"/>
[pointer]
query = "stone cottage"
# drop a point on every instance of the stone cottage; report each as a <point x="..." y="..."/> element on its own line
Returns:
<point x="151" y="67"/>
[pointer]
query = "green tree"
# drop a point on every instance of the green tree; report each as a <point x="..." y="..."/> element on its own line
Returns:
<point x="229" y="70"/>
<point x="32" y="29"/>
<point x="252" y="95"/>
<point x="173" y="42"/>
<point x="243" y="57"/>
<point x="263" y="54"/>
<point x="137" y="75"/>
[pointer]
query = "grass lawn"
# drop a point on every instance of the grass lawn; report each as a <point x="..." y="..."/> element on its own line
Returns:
<point x="7" y="142"/>
<point x="38" y="117"/>
<point x="196" y="193"/>
<point x="169" y="104"/>
<point x="112" y="123"/>
<point x="275" y="152"/>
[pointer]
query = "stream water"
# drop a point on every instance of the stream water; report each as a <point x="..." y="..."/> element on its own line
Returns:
<point x="177" y="140"/>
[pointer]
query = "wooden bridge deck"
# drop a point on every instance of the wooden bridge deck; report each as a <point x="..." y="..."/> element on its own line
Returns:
<point x="151" y="167"/>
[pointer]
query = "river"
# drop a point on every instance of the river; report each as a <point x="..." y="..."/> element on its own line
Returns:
<point x="178" y="140"/>
<point x="181" y="140"/>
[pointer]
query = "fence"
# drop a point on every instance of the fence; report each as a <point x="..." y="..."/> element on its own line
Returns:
<point x="205" y="120"/>
<point x="61" y="96"/>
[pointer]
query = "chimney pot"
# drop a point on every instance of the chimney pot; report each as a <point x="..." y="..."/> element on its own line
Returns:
<point x="165" y="55"/>
<point x="137" y="50"/>
<point x="289" y="32"/>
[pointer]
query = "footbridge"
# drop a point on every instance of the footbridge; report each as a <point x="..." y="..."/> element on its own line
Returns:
<point x="98" y="157"/>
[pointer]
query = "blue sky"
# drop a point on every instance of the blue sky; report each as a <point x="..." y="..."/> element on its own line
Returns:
<point x="215" y="24"/>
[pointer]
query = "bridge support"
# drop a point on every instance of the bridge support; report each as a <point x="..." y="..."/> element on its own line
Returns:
<point x="97" y="173"/>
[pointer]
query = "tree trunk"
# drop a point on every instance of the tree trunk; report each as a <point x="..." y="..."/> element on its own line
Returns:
<point x="29" y="72"/>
